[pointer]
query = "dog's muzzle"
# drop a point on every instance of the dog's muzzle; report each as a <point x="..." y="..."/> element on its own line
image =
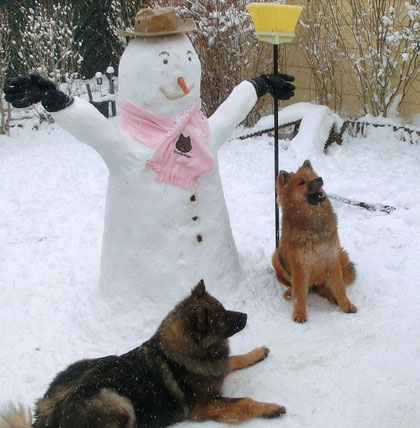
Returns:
<point x="316" y="195"/>
<point x="236" y="321"/>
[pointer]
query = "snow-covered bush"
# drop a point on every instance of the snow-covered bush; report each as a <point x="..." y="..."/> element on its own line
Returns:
<point x="48" y="43"/>
<point x="376" y="42"/>
<point x="122" y="16"/>
<point x="382" y="45"/>
<point x="5" y="43"/>
<point x="317" y="43"/>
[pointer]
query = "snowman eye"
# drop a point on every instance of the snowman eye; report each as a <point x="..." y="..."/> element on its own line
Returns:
<point x="165" y="60"/>
<point x="190" y="55"/>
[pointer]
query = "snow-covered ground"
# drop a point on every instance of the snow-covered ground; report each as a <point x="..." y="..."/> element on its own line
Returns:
<point x="337" y="370"/>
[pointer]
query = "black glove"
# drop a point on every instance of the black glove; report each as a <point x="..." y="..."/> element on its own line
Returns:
<point x="25" y="91"/>
<point x="276" y="84"/>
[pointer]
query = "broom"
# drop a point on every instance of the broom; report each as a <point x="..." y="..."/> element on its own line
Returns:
<point x="275" y="23"/>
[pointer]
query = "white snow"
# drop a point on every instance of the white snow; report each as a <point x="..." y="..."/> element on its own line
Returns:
<point x="337" y="370"/>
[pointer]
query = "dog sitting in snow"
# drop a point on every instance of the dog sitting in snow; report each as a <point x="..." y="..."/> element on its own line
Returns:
<point x="176" y="375"/>
<point x="310" y="255"/>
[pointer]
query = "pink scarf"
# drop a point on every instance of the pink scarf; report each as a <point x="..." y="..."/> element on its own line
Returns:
<point x="181" y="148"/>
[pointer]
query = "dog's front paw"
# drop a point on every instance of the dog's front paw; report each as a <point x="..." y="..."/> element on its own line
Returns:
<point x="261" y="353"/>
<point x="273" y="410"/>
<point x="349" y="308"/>
<point x="287" y="294"/>
<point x="299" y="315"/>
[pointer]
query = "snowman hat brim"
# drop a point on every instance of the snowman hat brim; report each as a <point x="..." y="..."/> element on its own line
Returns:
<point x="158" y="22"/>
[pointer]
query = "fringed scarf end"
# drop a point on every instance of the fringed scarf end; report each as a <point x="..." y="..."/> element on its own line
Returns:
<point x="170" y="178"/>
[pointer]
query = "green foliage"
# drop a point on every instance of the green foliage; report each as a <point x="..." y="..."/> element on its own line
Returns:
<point x="99" y="19"/>
<point x="99" y="45"/>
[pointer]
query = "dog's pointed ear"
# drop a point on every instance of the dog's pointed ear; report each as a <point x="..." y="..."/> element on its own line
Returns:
<point x="202" y="319"/>
<point x="199" y="289"/>
<point x="307" y="164"/>
<point x="283" y="177"/>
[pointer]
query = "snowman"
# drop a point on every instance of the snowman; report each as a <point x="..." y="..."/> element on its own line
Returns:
<point x="166" y="223"/>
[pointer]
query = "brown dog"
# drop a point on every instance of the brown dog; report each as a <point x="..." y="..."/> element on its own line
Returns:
<point x="310" y="255"/>
<point x="176" y="375"/>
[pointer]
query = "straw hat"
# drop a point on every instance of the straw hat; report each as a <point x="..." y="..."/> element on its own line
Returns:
<point x="158" y="22"/>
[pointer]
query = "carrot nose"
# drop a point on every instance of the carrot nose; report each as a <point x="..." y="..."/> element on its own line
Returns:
<point x="184" y="87"/>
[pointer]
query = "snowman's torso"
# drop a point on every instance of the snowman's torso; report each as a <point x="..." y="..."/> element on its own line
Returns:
<point x="161" y="239"/>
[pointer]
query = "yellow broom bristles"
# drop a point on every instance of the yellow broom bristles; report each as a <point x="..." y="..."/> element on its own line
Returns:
<point x="274" y="23"/>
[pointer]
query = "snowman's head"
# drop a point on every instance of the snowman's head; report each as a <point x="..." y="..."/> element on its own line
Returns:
<point x="161" y="74"/>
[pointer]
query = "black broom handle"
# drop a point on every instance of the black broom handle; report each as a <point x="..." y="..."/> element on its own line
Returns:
<point x="276" y="144"/>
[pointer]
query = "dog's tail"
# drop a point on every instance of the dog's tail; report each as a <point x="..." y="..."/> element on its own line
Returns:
<point x="16" y="417"/>
<point x="281" y="273"/>
<point x="350" y="273"/>
<point x="348" y="268"/>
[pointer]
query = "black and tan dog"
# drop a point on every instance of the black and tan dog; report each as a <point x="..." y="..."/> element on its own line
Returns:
<point x="176" y="375"/>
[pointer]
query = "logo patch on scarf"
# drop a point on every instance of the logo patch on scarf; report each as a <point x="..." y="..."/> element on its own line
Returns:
<point x="184" y="144"/>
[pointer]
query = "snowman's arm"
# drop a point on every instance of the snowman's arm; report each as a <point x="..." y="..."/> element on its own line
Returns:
<point x="82" y="120"/>
<point x="232" y="112"/>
